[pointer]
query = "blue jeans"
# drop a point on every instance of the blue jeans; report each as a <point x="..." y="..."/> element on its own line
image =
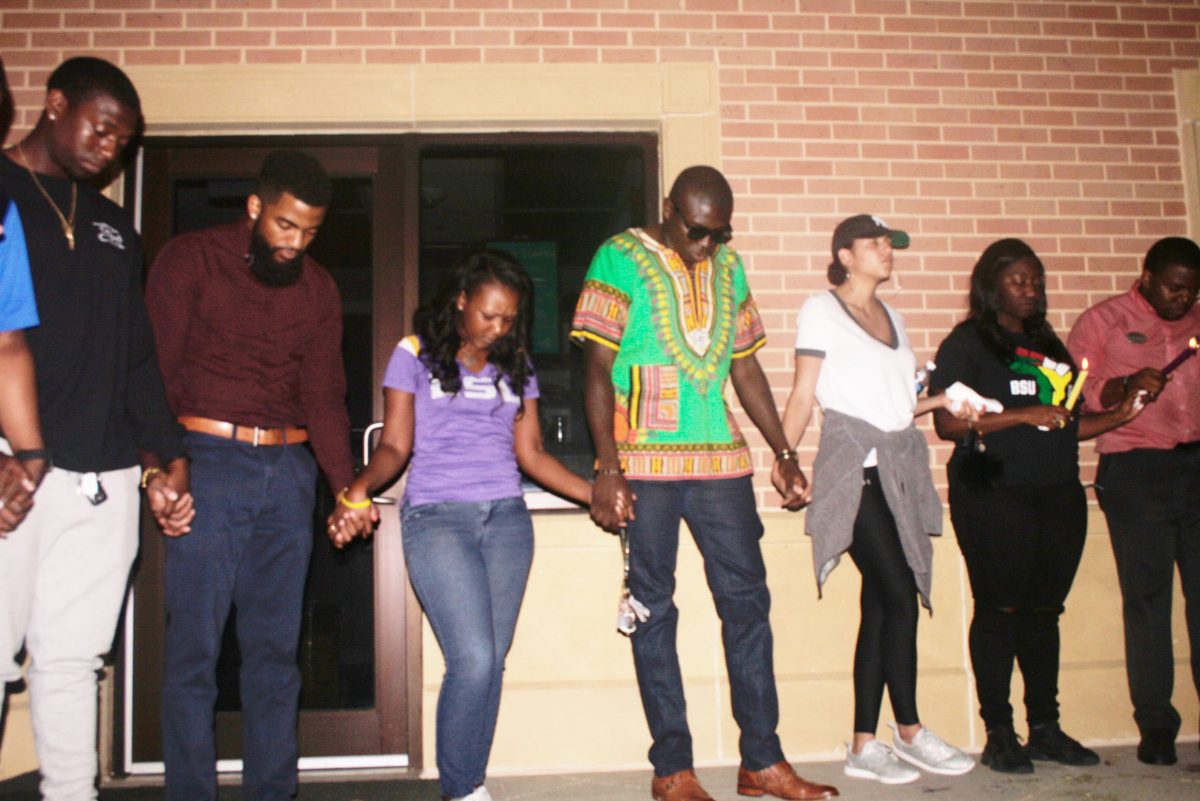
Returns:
<point x="724" y="523"/>
<point x="249" y="547"/>
<point x="468" y="563"/>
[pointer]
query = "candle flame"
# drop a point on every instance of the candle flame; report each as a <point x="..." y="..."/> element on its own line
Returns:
<point x="1084" y="365"/>
<point x="1193" y="344"/>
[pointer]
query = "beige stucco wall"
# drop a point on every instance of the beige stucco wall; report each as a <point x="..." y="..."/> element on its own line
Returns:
<point x="1187" y="97"/>
<point x="571" y="702"/>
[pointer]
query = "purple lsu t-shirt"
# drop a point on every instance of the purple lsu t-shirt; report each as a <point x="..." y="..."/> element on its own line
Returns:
<point x="462" y="443"/>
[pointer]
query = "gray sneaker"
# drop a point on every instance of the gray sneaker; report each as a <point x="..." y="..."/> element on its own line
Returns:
<point x="929" y="752"/>
<point x="876" y="761"/>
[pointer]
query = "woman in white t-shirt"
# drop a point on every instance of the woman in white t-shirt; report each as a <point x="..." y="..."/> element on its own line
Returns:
<point x="872" y="492"/>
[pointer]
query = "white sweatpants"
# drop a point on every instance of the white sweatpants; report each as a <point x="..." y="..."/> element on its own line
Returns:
<point x="63" y="575"/>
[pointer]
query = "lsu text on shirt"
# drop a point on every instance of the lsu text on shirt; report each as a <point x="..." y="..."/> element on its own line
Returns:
<point x="462" y="442"/>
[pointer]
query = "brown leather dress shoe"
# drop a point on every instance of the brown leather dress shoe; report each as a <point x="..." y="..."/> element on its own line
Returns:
<point x="781" y="781"/>
<point x="679" y="786"/>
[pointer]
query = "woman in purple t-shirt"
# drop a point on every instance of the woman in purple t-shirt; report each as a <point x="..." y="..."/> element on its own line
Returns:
<point x="461" y="401"/>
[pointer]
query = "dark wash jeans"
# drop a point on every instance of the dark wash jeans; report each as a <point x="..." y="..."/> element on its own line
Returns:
<point x="722" y="518"/>
<point x="249" y="547"/>
<point x="1151" y="499"/>
<point x="468" y="563"/>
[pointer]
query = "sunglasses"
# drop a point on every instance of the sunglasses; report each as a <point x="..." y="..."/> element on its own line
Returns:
<point x="698" y="232"/>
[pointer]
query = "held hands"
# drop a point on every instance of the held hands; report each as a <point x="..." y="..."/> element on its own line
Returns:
<point x="612" y="502"/>
<point x="967" y="404"/>
<point x="789" y="481"/>
<point x="17" y="486"/>
<point x="169" y="499"/>
<point x="353" y="516"/>
<point x="1149" y="381"/>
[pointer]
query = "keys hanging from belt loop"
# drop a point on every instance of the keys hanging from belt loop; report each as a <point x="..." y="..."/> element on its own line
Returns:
<point x="91" y="488"/>
<point x="630" y="611"/>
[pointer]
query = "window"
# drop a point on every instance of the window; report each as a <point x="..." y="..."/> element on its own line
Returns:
<point x="550" y="205"/>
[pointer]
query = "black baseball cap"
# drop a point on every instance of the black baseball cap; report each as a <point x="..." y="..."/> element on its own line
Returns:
<point x="865" y="226"/>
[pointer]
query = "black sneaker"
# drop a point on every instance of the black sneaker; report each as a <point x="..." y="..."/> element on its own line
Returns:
<point x="1157" y="747"/>
<point x="1004" y="753"/>
<point x="1048" y="743"/>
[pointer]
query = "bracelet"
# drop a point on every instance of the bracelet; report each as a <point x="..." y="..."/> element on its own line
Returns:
<point x="148" y="475"/>
<point x="349" y="504"/>
<point x="786" y="455"/>
<point x="609" y="471"/>
<point x="33" y="455"/>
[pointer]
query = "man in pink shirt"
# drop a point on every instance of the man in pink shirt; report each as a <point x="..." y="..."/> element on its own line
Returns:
<point x="1148" y="480"/>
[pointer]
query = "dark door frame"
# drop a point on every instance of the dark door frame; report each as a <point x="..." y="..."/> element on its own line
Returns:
<point x="396" y="162"/>
<point x="393" y="726"/>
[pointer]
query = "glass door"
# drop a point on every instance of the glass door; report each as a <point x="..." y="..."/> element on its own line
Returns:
<point x="359" y="647"/>
<point x="404" y="208"/>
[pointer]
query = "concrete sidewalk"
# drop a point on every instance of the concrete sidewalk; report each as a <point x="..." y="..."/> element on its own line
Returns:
<point x="1119" y="777"/>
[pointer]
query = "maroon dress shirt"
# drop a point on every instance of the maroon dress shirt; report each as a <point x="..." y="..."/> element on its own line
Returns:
<point x="233" y="349"/>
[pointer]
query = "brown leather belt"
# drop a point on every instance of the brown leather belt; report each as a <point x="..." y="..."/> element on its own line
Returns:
<point x="280" y="435"/>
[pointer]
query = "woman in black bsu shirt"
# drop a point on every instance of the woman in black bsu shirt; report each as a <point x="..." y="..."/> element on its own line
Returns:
<point x="1018" y="509"/>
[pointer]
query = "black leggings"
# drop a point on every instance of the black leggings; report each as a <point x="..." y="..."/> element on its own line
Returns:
<point x="1022" y="546"/>
<point x="887" y="636"/>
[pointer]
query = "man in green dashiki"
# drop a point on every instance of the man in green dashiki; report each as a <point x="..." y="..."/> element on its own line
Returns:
<point x="664" y="319"/>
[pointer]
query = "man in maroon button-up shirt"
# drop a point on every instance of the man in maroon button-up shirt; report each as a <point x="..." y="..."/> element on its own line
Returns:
<point x="249" y="338"/>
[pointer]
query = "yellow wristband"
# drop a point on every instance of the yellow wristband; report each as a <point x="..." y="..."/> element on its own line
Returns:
<point x="349" y="504"/>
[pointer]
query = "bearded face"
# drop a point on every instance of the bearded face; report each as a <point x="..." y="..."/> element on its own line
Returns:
<point x="284" y="227"/>
<point x="273" y="266"/>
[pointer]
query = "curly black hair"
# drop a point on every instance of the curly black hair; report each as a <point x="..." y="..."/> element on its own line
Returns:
<point x="438" y="323"/>
<point x="985" y="303"/>
<point x="297" y="173"/>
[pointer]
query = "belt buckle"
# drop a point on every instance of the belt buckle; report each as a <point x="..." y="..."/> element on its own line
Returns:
<point x="257" y="431"/>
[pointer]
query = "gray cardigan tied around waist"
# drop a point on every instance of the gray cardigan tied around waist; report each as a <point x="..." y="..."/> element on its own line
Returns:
<point x="837" y="491"/>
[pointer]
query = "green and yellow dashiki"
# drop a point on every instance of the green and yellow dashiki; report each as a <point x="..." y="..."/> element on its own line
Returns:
<point x="675" y="333"/>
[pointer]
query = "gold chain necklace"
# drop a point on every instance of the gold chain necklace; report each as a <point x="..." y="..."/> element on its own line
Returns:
<point x="66" y="221"/>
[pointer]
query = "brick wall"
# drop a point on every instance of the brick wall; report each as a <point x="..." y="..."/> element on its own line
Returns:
<point x="960" y="121"/>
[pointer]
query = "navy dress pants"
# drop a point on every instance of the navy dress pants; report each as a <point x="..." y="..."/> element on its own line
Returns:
<point x="249" y="548"/>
